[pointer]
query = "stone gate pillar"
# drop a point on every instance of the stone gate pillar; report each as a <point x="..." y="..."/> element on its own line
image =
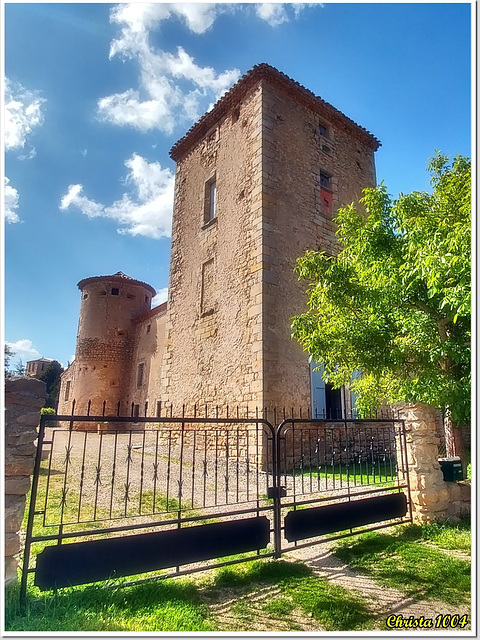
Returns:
<point x="430" y="494"/>
<point x="24" y="397"/>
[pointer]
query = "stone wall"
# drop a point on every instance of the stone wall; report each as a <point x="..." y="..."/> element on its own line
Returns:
<point x="105" y="346"/>
<point x="149" y="340"/>
<point x="432" y="497"/>
<point x="294" y="219"/>
<point x="266" y="154"/>
<point x="213" y="348"/>
<point x="24" y="398"/>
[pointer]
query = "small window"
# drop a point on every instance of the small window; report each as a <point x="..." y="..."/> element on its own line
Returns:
<point x="149" y="327"/>
<point x="115" y="292"/>
<point x="208" y="297"/>
<point x="67" y="391"/>
<point x="210" y="204"/>
<point x="146" y="298"/>
<point x="136" y="410"/>
<point x="235" y="114"/>
<point x="85" y="296"/>
<point x="323" y="131"/>
<point x="43" y="366"/>
<point x="324" y="180"/>
<point x="159" y="409"/>
<point x="140" y="374"/>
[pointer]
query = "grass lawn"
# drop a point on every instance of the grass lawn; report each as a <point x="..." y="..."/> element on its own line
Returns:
<point x="415" y="559"/>
<point x="169" y="605"/>
<point x="333" y="607"/>
<point x="182" y="604"/>
<point x="423" y="561"/>
<point x="364" y="473"/>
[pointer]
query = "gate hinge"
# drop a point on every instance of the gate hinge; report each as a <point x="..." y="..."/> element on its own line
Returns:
<point x="276" y="492"/>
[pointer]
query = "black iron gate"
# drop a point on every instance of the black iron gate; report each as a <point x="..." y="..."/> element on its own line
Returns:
<point x="114" y="496"/>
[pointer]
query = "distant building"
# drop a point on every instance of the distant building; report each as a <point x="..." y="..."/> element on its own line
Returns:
<point x="258" y="179"/>
<point x="35" y="368"/>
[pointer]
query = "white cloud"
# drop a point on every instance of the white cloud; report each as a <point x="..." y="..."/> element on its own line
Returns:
<point x="28" y="156"/>
<point x="275" y="13"/>
<point x="11" y="202"/>
<point x="272" y="13"/>
<point x="163" y="98"/>
<point x="24" y="350"/>
<point x="161" y="297"/>
<point x="73" y="198"/>
<point x="146" y="212"/>
<point x="23" y="113"/>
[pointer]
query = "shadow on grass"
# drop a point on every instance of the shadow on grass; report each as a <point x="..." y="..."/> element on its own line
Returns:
<point x="404" y="562"/>
<point x="151" y="606"/>
<point x="334" y="607"/>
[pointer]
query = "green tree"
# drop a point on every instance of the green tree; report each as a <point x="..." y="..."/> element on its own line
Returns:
<point x="395" y="301"/>
<point x="52" y="378"/>
<point x="19" y="368"/>
<point x="9" y="353"/>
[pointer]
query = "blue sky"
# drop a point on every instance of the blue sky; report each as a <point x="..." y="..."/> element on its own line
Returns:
<point x="96" y="95"/>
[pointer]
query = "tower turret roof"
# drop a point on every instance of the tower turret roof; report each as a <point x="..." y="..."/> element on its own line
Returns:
<point x="119" y="277"/>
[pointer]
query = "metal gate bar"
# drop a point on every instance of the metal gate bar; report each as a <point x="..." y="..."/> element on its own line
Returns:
<point x="240" y="479"/>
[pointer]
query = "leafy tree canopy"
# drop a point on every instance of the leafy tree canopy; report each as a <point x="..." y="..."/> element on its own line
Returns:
<point x="395" y="302"/>
<point x="52" y="378"/>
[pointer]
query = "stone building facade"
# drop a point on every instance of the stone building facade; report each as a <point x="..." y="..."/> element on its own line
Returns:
<point x="35" y="368"/>
<point x="258" y="180"/>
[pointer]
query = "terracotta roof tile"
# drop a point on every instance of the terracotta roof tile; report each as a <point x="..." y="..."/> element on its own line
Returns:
<point x="234" y="94"/>
<point x="116" y="277"/>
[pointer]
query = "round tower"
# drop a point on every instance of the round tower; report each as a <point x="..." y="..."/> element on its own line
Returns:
<point x="103" y="356"/>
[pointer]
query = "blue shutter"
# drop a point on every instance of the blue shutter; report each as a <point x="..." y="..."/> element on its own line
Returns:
<point x="317" y="385"/>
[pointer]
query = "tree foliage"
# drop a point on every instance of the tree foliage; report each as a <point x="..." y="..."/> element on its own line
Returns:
<point x="395" y="302"/>
<point x="52" y="378"/>
<point x="9" y="353"/>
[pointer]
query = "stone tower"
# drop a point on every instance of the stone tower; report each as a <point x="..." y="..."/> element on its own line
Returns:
<point x="258" y="179"/>
<point x="101" y="371"/>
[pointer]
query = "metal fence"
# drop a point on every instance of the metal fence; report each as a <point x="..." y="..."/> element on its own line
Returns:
<point x="119" y="496"/>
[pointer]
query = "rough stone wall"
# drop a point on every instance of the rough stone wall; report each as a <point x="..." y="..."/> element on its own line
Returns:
<point x="105" y="344"/>
<point x="148" y="349"/>
<point x="214" y="346"/>
<point x="295" y="219"/>
<point x="432" y="497"/>
<point x="23" y="401"/>
<point x="266" y="157"/>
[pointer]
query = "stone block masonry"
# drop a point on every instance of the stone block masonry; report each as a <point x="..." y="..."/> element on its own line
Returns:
<point x="24" y="397"/>
<point x="282" y="160"/>
<point x="432" y="497"/>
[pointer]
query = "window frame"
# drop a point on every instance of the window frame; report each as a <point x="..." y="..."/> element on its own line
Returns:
<point x="140" y="375"/>
<point x="210" y="200"/>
